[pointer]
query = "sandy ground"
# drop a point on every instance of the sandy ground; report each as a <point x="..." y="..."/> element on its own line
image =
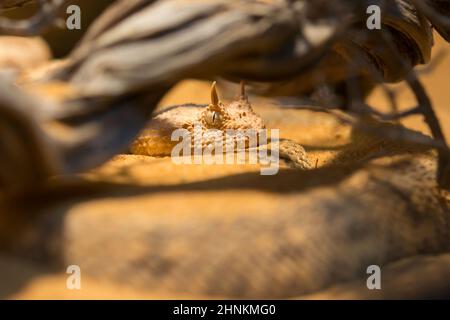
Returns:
<point x="321" y="136"/>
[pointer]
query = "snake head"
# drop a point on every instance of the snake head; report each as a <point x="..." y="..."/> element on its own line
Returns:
<point x="237" y="115"/>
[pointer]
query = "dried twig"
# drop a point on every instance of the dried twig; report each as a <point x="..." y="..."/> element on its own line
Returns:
<point x="47" y="14"/>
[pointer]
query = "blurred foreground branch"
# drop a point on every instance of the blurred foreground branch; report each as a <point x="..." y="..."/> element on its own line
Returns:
<point x="47" y="14"/>
<point x="138" y="49"/>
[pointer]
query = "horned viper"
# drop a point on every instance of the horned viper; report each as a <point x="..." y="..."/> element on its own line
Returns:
<point x="237" y="115"/>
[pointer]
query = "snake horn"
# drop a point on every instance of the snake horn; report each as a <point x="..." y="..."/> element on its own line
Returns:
<point x="243" y="92"/>
<point x="214" y="96"/>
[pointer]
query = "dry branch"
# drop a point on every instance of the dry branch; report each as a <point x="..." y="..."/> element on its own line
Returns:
<point x="47" y="13"/>
<point x="138" y="49"/>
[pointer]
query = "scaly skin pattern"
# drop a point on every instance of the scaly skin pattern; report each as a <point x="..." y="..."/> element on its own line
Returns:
<point x="217" y="118"/>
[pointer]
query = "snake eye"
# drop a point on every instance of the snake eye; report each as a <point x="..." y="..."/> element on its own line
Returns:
<point x="213" y="118"/>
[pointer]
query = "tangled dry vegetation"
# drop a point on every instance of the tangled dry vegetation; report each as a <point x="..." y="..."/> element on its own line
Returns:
<point x="289" y="48"/>
<point x="67" y="116"/>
